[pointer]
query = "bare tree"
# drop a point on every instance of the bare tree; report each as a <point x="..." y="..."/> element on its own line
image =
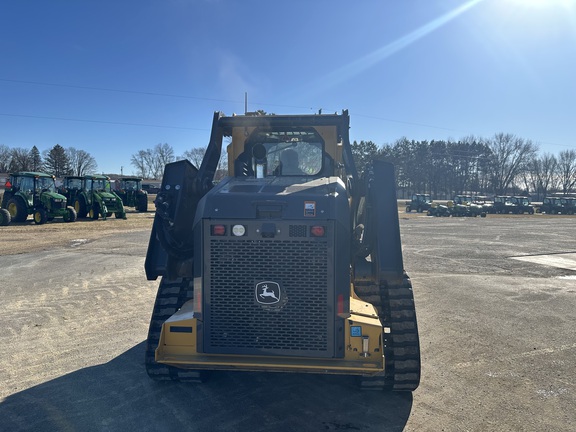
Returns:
<point x="5" y="158"/>
<point x="150" y="163"/>
<point x="510" y="155"/>
<point x="163" y="154"/>
<point x="540" y="177"/>
<point x="140" y="162"/>
<point x="195" y="155"/>
<point x="567" y="170"/>
<point x="20" y="160"/>
<point x="81" y="162"/>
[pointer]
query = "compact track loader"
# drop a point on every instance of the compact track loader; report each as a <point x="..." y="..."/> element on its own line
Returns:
<point x="292" y="263"/>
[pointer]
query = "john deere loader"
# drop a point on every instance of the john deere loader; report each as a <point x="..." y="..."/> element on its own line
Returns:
<point x="292" y="263"/>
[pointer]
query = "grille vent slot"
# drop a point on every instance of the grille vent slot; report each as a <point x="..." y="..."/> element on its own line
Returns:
<point x="237" y="323"/>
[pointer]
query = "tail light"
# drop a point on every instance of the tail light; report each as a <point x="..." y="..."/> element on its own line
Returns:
<point x="218" y="230"/>
<point x="317" y="231"/>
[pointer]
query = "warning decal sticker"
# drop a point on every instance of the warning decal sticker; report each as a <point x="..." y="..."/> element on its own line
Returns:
<point x="310" y="208"/>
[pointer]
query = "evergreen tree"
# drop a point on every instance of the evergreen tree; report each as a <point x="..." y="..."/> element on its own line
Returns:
<point x="57" y="162"/>
<point x="363" y="152"/>
<point x="35" y="159"/>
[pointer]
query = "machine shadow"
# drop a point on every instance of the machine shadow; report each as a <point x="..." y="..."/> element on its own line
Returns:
<point x="119" y="396"/>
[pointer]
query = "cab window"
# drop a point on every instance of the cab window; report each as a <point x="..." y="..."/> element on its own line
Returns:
<point x="291" y="152"/>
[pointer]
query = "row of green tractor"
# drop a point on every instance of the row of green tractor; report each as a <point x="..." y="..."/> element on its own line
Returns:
<point x="460" y="206"/>
<point x="523" y="205"/>
<point x="558" y="205"/>
<point x="468" y="205"/>
<point x="36" y="194"/>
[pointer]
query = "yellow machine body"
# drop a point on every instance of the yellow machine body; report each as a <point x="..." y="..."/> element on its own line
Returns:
<point x="363" y="352"/>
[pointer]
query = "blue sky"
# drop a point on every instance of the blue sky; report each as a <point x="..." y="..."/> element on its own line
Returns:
<point x="114" y="77"/>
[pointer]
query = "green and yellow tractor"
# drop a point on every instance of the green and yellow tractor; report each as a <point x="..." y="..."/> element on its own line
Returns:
<point x="129" y="189"/>
<point x="419" y="203"/>
<point x="93" y="197"/>
<point x="463" y="205"/>
<point x="34" y="193"/>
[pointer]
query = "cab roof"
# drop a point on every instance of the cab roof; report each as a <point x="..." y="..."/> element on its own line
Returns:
<point x="227" y="123"/>
<point x="31" y="174"/>
<point x="96" y="177"/>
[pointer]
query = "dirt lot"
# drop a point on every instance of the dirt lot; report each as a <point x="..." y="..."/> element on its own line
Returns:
<point x="495" y="299"/>
<point x="17" y="237"/>
<point x="59" y="234"/>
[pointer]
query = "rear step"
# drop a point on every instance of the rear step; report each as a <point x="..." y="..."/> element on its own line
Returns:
<point x="395" y="305"/>
<point x="172" y="294"/>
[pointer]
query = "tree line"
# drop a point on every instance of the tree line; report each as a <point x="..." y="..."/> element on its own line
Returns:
<point x="58" y="161"/>
<point x="150" y="163"/>
<point x="501" y="165"/>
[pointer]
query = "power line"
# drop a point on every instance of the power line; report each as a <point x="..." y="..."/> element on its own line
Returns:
<point x="101" y="121"/>
<point x="147" y="93"/>
<point x="216" y="100"/>
<point x="116" y="90"/>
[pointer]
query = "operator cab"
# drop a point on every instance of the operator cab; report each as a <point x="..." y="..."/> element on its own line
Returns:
<point x="283" y="152"/>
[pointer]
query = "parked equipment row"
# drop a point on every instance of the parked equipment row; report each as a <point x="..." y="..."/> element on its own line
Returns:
<point x="468" y="205"/>
<point x="35" y="193"/>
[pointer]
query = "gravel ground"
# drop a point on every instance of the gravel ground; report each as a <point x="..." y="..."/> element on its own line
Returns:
<point x="19" y="238"/>
<point x="496" y="328"/>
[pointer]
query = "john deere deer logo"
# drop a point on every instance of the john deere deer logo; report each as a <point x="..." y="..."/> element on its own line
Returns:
<point x="267" y="293"/>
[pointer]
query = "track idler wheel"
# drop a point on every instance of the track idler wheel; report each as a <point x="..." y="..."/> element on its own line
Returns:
<point x="172" y="294"/>
<point x="395" y="304"/>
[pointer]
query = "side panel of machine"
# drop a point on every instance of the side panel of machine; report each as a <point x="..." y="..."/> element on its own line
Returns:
<point x="384" y="205"/>
<point x="171" y="240"/>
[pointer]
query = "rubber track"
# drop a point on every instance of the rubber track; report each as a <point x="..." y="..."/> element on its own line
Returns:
<point x="395" y="305"/>
<point x="172" y="294"/>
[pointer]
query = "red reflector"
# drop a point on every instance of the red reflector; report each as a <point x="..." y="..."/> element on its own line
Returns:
<point x="218" y="230"/>
<point x="317" y="231"/>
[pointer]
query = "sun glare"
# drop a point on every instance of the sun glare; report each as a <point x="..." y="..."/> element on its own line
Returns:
<point x="538" y="4"/>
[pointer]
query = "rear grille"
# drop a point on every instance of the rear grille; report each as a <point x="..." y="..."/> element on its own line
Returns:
<point x="236" y="323"/>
